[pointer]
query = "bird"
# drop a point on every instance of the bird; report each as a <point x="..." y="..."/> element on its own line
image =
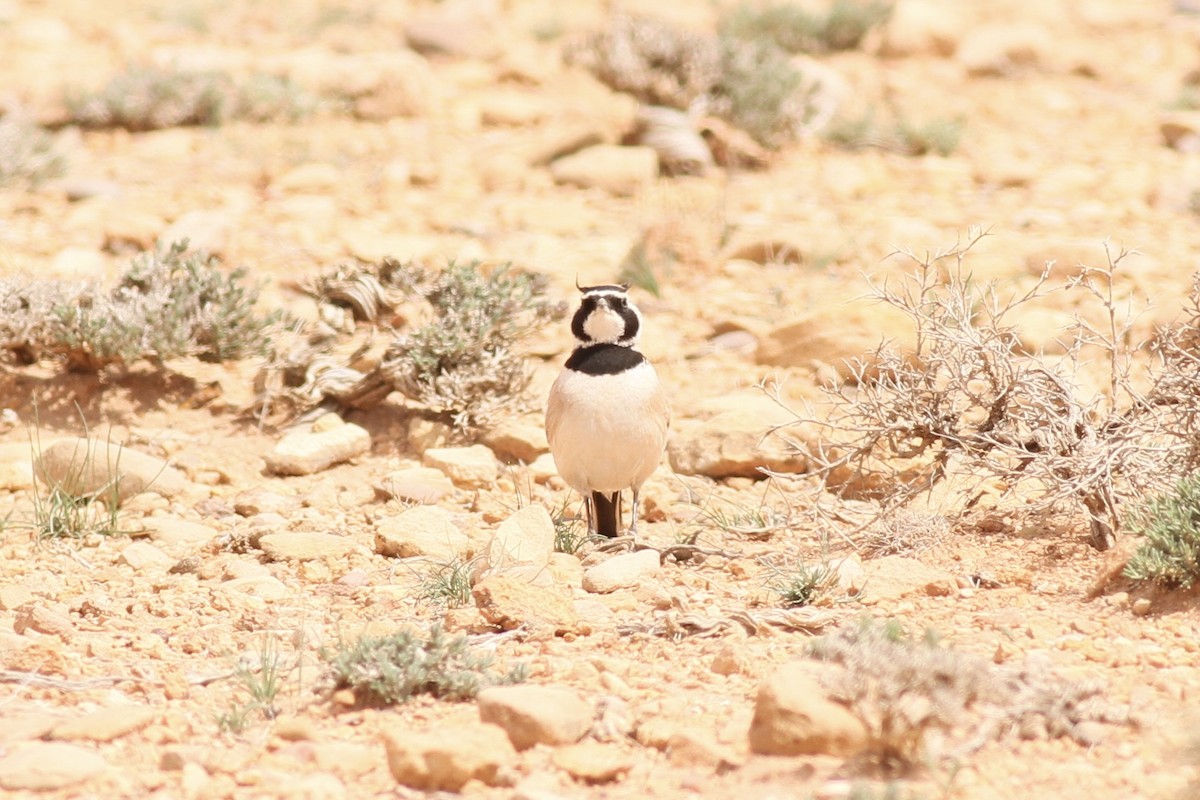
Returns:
<point x="607" y="414"/>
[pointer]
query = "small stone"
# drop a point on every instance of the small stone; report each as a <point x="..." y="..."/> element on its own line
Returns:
<point x="169" y="531"/>
<point x="622" y="171"/>
<point x="525" y="538"/>
<point x="693" y="747"/>
<point x="90" y="466"/>
<point x="266" y="587"/>
<point x="511" y="601"/>
<point x="296" y="729"/>
<point x="514" y="440"/>
<point x="304" y="545"/>
<point x="42" y="766"/>
<point x="142" y="555"/>
<point x="43" y="619"/>
<point x="536" y="714"/>
<point x="471" y="467"/>
<point x="593" y="762"/>
<point x="893" y="577"/>
<point x="731" y="660"/>
<point x="418" y="484"/>
<point x="1140" y="607"/>
<point x="792" y="717"/>
<point x="14" y="595"/>
<point x="445" y="758"/>
<point x="307" y="452"/>
<point x="105" y="724"/>
<point x="621" y="571"/>
<point x="734" y="442"/>
<point x="421" y="531"/>
<point x="253" y="502"/>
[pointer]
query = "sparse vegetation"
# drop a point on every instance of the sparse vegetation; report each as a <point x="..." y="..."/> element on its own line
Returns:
<point x="167" y="304"/>
<point x="262" y="681"/>
<point x="463" y="364"/>
<point x="902" y="135"/>
<point x="1171" y="524"/>
<point x="570" y="533"/>
<point x="742" y="76"/>
<point x="795" y="29"/>
<point x="27" y="152"/>
<point x="146" y="98"/>
<point x="924" y="703"/>
<point x="968" y="413"/>
<point x="803" y="584"/>
<point x="447" y="583"/>
<point x="390" y="669"/>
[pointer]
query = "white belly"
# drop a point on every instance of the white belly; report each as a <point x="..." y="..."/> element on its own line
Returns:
<point x="610" y="430"/>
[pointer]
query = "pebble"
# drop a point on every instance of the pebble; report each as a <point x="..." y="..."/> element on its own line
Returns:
<point x="309" y="451"/>
<point x="418" y="484"/>
<point x="512" y="601"/>
<point x="525" y="538"/>
<point x="143" y="555"/>
<point x="621" y="171"/>
<point x="171" y="531"/>
<point x="533" y="715"/>
<point x="43" y="766"/>
<point x="446" y="757"/>
<point x="793" y="717"/>
<point x="105" y="724"/>
<point x="514" y="440"/>
<point x="621" y="571"/>
<point x="593" y="762"/>
<point x="86" y="466"/>
<point x="421" y="531"/>
<point x="472" y="467"/>
<point x="1141" y="606"/>
<point x="43" y="619"/>
<point x="305" y="545"/>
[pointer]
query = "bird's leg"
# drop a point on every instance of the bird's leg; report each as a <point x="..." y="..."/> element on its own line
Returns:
<point x="591" y="518"/>
<point x="633" y="516"/>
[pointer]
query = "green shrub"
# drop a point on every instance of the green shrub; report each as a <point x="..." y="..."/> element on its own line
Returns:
<point x="1171" y="524"/>
<point x="385" y="670"/>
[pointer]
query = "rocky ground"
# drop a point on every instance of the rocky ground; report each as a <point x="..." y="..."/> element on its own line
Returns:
<point x="461" y="134"/>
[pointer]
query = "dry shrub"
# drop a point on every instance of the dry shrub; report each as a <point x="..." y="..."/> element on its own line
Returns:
<point x="968" y="414"/>
<point x="922" y="701"/>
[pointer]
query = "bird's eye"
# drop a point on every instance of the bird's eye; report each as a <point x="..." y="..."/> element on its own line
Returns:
<point x="618" y="303"/>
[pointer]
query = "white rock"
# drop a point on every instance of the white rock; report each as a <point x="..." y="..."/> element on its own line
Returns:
<point x="141" y="555"/>
<point x="421" y="531"/>
<point x="446" y="757"/>
<point x="85" y="466"/>
<point x="615" y="169"/>
<point x="621" y="571"/>
<point x="734" y="443"/>
<point x="536" y="714"/>
<point x="105" y="724"/>
<point x="42" y="766"/>
<point x="265" y="587"/>
<point x="515" y="440"/>
<point x="525" y="538"/>
<point x="304" y="545"/>
<point x="471" y="467"/>
<point x="306" y="452"/>
<point x="170" y="530"/>
<point x="792" y="717"/>
<point x="419" y="484"/>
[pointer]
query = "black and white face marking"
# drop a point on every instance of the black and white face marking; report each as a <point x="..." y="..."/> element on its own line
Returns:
<point x="606" y="316"/>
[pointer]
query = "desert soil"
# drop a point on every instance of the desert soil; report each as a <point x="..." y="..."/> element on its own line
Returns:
<point x="1064" y="105"/>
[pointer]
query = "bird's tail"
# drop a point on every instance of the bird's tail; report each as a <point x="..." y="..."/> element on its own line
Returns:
<point x="607" y="510"/>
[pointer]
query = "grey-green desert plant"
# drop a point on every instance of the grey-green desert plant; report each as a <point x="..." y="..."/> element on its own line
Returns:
<point x="27" y="152"/>
<point x="146" y="98"/>
<point x="1171" y="524"/>
<point x="385" y="670"/>
<point x="795" y="29"/>
<point x="803" y="584"/>
<point x="465" y="363"/>
<point x="168" y="303"/>
<point x="447" y="583"/>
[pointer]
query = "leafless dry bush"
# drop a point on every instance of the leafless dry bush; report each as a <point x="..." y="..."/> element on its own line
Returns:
<point x="968" y="414"/>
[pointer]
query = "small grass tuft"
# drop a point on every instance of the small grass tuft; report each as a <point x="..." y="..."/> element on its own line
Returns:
<point x="385" y="670"/>
<point x="803" y="584"/>
<point x="263" y="681"/>
<point x="447" y="584"/>
<point x="570" y="533"/>
<point x="1171" y="524"/>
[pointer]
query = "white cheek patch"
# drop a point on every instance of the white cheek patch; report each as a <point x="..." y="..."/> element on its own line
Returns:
<point x="604" y="325"/>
